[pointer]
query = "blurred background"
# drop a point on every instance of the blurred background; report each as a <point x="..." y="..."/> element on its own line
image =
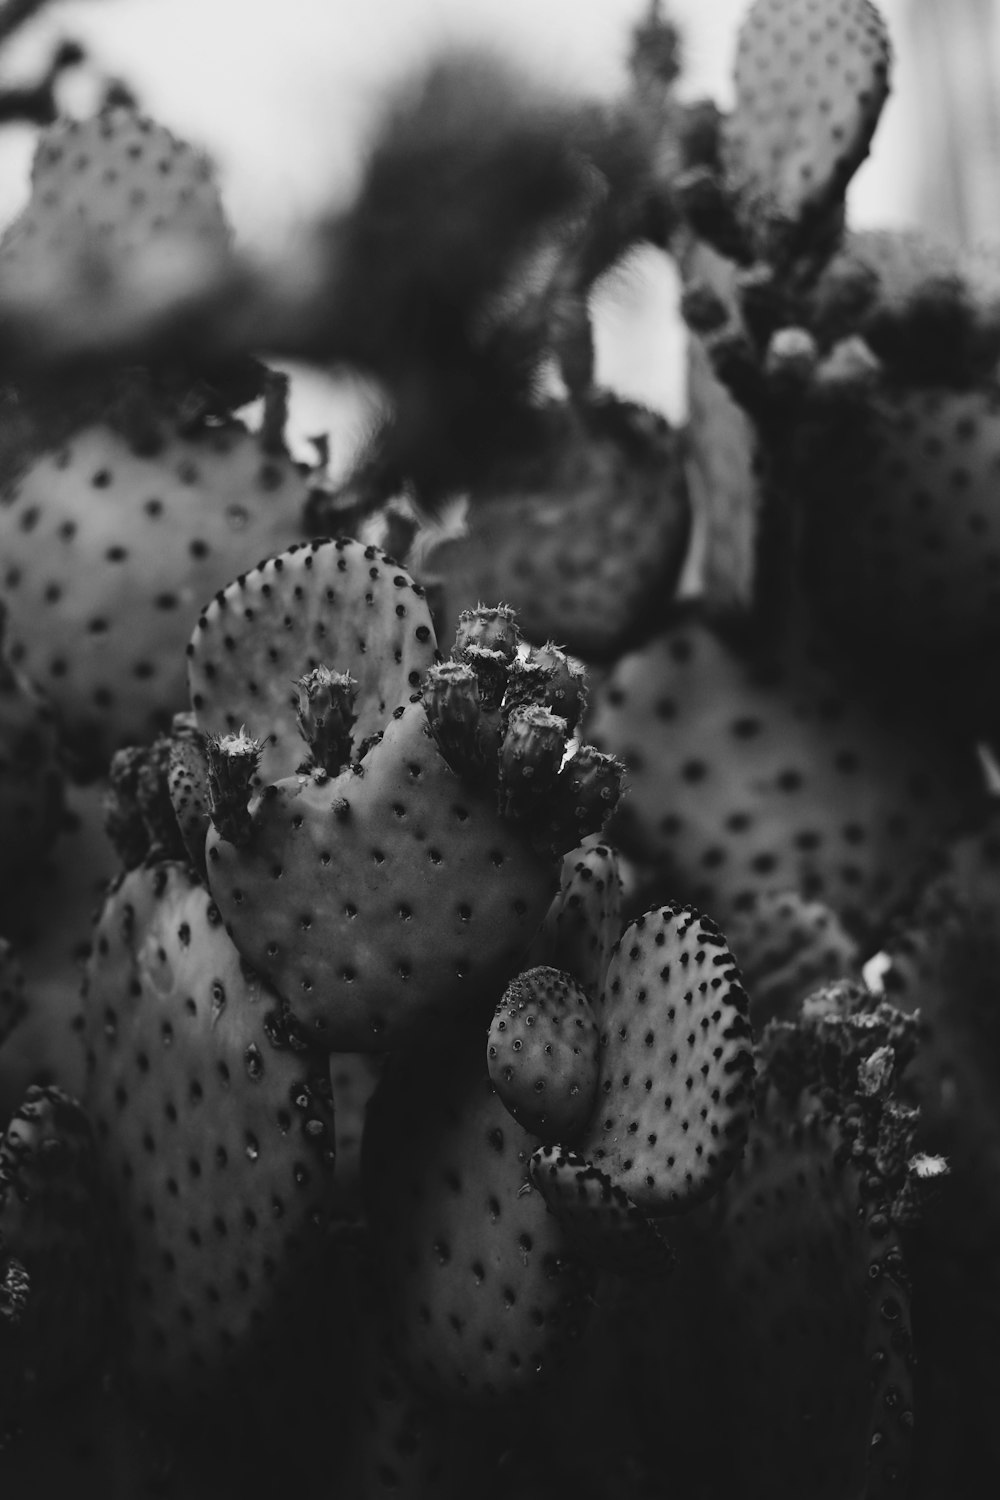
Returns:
<point x="283" y="97"/>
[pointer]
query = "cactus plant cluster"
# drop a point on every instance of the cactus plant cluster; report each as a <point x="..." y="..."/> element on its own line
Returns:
<point x="474" y="1021"/>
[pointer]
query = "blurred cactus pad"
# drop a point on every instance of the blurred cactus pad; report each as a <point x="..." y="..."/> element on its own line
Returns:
<point x="500" y="949"/>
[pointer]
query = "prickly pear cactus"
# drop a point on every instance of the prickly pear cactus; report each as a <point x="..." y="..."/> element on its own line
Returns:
<point x="396" y="1128"/>
<point x="403" y="872"/>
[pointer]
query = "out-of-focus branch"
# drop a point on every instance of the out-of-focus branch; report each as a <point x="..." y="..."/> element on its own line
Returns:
<point x="14" y="13"/>
<point x="486" y="211"/>
<point x="35" y="103"/>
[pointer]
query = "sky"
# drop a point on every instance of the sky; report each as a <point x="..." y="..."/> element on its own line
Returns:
<point x="282" y="94"/>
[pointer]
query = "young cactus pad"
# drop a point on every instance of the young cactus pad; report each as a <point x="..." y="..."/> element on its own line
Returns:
<point x="542" y="1053"/>
<point x="328" y="603"/>
<point x="811" y="80"/>
<point x="675" y="1094"/>
<point x="480" y="1287"/>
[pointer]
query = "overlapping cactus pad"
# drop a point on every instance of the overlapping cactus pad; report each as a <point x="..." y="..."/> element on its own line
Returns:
<point x="501" y="1002"/>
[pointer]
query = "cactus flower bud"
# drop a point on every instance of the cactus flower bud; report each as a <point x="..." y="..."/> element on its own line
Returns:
<point x="586" y="793"/>
<point x="453" y="704"/>
<point x="487" y="630"/>
<point x="233" y="760"/>
<point x="532" y="751"/>
<point x="325" y="716"/>
<point x="565" y="691"/>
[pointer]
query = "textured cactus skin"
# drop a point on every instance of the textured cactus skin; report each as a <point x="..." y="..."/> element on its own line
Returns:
<point x="328" y="602"/>
<point x="109" y="554"/>
<point x="542" y="1054"/>
<point x="796" y="137"/>
<point x="400" y="892"/>
<point x="174" y="1024"/>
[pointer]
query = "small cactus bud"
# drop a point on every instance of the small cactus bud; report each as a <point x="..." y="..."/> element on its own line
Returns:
<point x="325" y="716"/>
<point x="233" y="760"/>
<point x="489" y="630"/>
<point x="528" y="683"/>
<point x="453" y="704"/>
<point x="790" y="361"/>
<point x="530" y="756"/>
<point x="702" y="309"/>
<point x="586" y="793"/>
<point x="492" y="669"/>
<point x="565" y="691"/>
<point x="138" y="813"/>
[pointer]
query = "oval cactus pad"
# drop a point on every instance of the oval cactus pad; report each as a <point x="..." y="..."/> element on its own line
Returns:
<point x="338" y="604"/>
<point x="811" y="80"/>
<point x="216" y="1135"/>
<point x="542" y="1053"/>
<point x="675" y="1096"/>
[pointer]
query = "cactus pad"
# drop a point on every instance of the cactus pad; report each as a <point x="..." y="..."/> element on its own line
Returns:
<point x="480" y="1288"/>
<point x="811" y="80"/>
<point x="542" y="1054"/>
<point x="109" y="553"/>
<point x="371" y="899"/>
<point x="676" y="1067"/>
<point x="334" y="603"/>
<point x="750" y="773"/>
<point x="216" y="1136"/>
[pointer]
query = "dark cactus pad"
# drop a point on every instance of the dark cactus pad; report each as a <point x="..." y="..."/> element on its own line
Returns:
<point x="480" y="1288"/>
<point x="786" y="947"/>
<point x="216" y="1136"/>
<point x="542" y="1054"/>
<point x="811" y="81"/>
<point x="337" y="604"/>
<point x="13" y="1005"/>
<point x="52" y="1248"/>
<point x="815" y="1315"/>
<point x="30" y="779"/>
<point x="750" y="773"/>
<point x="902" y="530"/>
<point x="371" y="900"/>
<point x="587" y="555"/>
<point x="676" y="1067"/>
<point x="602" y="1222"/>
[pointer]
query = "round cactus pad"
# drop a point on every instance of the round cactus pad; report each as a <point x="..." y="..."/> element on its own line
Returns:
<point x="338" y="604"/>
<point x="542" y="1053"/>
